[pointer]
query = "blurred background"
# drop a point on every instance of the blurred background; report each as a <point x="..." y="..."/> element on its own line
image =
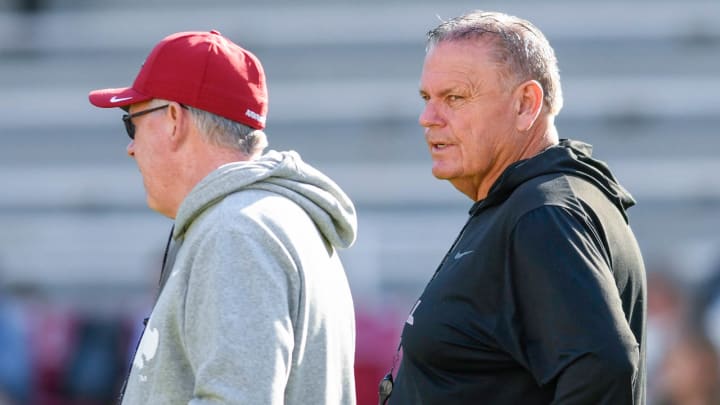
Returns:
<point x="80" y="251"/>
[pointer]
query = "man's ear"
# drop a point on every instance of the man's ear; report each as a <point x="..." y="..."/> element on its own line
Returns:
<point x="179" y="118"/>
<point x="529" y="97"/>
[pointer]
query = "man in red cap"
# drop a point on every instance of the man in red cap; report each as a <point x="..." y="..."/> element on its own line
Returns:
<point x="254" y="305"/>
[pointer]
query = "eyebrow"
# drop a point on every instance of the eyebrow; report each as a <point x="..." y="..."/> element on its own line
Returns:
<point x="442" y="93"/>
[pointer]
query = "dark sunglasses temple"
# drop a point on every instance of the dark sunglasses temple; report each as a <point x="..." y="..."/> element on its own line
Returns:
<point x="127" y="119"/>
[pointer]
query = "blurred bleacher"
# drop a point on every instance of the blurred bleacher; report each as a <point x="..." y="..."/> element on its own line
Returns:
<point x="640" y="78"/>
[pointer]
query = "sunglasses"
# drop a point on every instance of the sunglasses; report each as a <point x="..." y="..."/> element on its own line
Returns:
<point x="127" y="119"/>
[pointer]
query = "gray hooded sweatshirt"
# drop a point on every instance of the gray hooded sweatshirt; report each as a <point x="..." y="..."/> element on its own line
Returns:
<point x="256" y="307"/>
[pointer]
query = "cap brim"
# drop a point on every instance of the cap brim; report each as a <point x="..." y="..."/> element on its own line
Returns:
<point x="121" y="97"/>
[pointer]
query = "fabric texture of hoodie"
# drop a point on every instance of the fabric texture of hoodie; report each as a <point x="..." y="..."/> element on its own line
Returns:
<point x="540" y="300"/>
<point x="255" y="306"/>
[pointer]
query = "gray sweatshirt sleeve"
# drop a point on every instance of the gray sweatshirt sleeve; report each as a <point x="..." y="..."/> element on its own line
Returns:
<point x="238" y="327"/>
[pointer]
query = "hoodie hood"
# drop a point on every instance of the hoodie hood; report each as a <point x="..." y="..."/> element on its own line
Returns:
<point x="283" y="173"/>
<point x="568" y="157"/>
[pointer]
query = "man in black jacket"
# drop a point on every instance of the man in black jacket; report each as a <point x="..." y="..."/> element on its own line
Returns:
<point x="541" y="299"/>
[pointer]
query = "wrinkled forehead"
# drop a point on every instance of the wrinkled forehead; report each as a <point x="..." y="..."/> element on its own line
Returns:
<point x="460" y="56"/>
<point x="459" y="68"/>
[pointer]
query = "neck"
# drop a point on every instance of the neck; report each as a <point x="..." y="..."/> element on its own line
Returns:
<point x="537" y="139"/>
<point x="198" y="162"/>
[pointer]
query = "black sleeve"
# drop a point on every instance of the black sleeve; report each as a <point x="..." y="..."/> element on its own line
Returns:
<point x="568" y="317"/>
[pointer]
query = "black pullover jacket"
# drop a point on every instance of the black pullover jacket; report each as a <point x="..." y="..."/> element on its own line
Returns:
<point x="540" y="300"/>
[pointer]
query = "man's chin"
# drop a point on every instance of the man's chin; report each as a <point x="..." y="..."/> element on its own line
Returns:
<point x="440" y="174"/>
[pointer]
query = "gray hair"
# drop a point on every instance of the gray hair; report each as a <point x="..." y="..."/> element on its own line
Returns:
<point x="519" y="46"/>
<point x="223" y="132"/>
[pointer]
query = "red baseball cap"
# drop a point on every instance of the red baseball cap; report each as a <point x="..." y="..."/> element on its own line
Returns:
<point x="201" y="69"/>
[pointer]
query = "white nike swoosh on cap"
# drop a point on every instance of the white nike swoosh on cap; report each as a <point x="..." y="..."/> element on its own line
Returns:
<point x="116" y="99"/>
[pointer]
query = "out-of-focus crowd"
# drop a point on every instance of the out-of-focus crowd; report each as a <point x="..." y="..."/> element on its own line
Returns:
<point x="683" y="339"/>
<point x="56" y="355"/>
